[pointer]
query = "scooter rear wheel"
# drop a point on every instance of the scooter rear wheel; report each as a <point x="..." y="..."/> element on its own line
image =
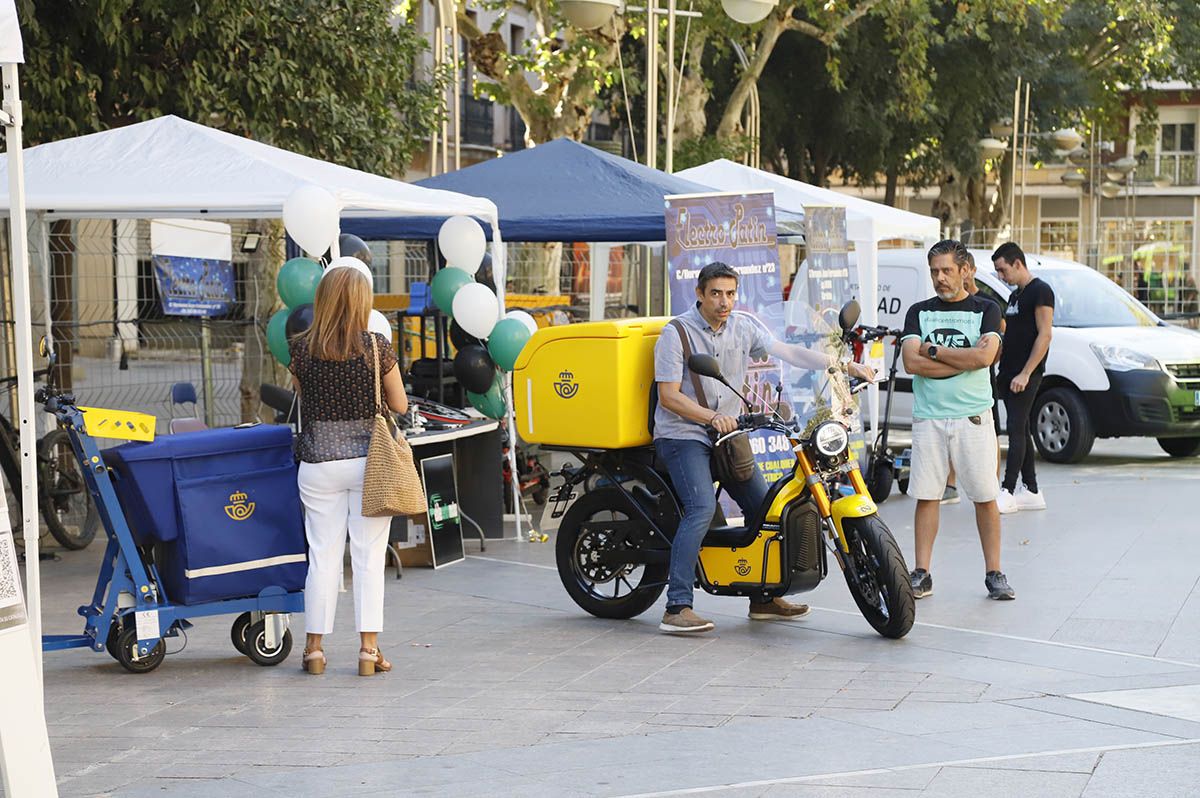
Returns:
<point x="879" y="583"/>
<point x="603" y="590"/>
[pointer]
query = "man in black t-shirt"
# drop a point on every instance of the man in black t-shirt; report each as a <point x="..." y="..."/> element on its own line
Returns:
<point x="1029" y="322"/>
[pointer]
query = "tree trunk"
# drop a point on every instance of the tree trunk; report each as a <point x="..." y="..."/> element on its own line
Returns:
<point x="893" y="180"/>
<point x="690" y="119"/>
<point x="731" y="119"/>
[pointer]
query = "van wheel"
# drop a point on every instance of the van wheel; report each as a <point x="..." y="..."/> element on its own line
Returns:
<point x="1062" y="428"/>
<point x="1180" y="447"/>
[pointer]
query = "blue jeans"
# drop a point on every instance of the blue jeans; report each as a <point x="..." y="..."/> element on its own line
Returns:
<point x="690" y="465"/>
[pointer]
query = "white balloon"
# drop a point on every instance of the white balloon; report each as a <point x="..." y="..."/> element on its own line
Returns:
<point x="380" y="324"/>
<point x="524" y="318"/>
<point x="476" y="310"/>
<point x="310" y="215"/>
<point x="462" y="243"/>
<point x="350" y="262"/>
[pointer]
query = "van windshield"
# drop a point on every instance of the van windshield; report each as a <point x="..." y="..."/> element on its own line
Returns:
<point x="1084" y="298"/>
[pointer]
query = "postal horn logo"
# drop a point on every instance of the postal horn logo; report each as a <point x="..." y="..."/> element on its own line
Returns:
<point x="239" y="509"/>
<point x="742" y="568"/>
<point x="566" y="387"/>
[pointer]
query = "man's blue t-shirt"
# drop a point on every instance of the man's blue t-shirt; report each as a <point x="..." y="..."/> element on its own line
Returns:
<point x="953" y="325"/>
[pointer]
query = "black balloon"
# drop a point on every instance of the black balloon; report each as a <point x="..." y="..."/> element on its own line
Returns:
<point x="485" y="275"/>
<point x="474" y="368"/>
<point x="299" y="320"/>
<point x="461" y="338"/>
<point x="350" y="245"/>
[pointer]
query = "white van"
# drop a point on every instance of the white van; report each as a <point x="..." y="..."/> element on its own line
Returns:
<point x="1115" y="369"/>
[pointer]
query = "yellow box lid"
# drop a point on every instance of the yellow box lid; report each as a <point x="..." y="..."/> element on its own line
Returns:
<point x="609" y="328"/>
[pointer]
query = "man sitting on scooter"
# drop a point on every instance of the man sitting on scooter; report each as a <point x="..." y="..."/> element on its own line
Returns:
<point x="682" y="423"/>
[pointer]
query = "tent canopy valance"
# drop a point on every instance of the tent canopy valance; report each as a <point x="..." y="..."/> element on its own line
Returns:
<point x="558" y="191"/>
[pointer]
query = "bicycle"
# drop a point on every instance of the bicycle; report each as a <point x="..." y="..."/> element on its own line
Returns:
<point x="63" y="498"/>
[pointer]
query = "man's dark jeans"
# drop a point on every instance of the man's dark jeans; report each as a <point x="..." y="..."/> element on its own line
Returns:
<point x="690" y="465"/>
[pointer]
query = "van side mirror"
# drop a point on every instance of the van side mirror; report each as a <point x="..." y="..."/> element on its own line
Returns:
<point x="848" y="317"/>
<point x="705" y="366"/>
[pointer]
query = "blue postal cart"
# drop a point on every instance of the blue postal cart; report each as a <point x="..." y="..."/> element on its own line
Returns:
<point x="201" y="523"/>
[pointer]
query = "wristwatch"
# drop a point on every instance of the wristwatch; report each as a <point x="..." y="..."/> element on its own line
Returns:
<point x="932" y="352"/>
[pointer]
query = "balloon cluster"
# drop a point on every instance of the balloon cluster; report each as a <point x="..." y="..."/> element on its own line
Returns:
<point x="487" y="345"/>
<point x="310" y="216"/>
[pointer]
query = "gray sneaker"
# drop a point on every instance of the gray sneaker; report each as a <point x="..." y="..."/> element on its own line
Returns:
<point x="997" y="586"/>
<point x="684" y="622"/>
<point x="922" y="583"/>
<point x="950" y="495"/>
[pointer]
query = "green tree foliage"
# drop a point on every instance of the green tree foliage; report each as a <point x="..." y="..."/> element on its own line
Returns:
<point x="1086" y="61"/>
<point x="336" y="81"/>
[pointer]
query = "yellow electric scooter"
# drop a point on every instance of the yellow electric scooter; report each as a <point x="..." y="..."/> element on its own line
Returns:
<point x="614" y="541"/>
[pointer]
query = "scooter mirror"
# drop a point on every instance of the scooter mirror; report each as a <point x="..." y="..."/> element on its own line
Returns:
<point x="849" y="315"/>
<point x="705" y="366"/>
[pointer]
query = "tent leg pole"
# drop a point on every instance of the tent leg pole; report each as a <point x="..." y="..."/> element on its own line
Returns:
<point x="206" y="370"/>
<point x="25" y="762"/>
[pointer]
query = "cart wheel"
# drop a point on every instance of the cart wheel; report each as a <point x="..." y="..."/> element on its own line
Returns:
<point x="903" y="485"/>
<point x="127" y="653"/>
<point x="237" y="632"/>
<point x="256" y="645"/>
<point x="110" y="643"/>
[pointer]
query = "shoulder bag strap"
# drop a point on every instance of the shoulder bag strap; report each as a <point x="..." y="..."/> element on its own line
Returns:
<point x="685" y="340"/>
<point x="375" y="371"/>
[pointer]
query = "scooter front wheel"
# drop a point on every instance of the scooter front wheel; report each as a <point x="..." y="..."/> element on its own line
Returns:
<point x="878" y="577"/>
<point x="595" y="525"/>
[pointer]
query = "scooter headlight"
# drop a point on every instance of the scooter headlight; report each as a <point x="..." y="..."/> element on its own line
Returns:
<point x="831" y="439"/>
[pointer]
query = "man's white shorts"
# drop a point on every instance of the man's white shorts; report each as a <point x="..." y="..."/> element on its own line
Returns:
<point x="971" y="447"/>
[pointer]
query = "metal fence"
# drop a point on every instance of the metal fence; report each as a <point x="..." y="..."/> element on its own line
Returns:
<point x="93" y="280"/>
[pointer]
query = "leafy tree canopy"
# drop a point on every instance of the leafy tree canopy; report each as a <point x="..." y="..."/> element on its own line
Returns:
<point x="336" y="81"/>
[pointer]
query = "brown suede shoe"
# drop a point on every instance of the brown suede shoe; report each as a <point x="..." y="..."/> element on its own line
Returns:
<point x="685" y="622"/>
<point x="777" y="610"/>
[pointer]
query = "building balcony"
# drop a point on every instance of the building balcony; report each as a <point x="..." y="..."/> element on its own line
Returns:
<point x="1179" y="167"/>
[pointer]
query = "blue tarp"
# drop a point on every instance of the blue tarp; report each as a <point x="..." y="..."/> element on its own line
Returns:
<point x="558" y="191"/>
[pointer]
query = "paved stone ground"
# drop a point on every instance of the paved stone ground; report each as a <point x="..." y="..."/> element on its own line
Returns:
<point x="1087" y="685"/>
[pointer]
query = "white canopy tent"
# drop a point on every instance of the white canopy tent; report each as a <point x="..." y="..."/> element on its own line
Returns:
<point x="867" y="223"/>
<point x="169" y="167"/>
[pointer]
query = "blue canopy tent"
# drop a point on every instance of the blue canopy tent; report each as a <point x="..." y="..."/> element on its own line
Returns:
<point x="558" y="191"/>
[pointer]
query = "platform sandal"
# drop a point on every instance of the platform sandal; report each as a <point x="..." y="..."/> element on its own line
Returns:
<point x="313" y="662"/>
<point x="371" y="661"/>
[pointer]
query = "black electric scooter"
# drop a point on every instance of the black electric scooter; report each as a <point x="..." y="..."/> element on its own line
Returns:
<point x="884" y="467"/>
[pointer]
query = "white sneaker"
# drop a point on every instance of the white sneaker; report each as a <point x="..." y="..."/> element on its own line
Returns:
<point x="1028" y="500"/>
<point x="1006" y="502"/>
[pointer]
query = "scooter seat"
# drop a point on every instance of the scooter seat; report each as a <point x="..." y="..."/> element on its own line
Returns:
<point x="728" y="536"/>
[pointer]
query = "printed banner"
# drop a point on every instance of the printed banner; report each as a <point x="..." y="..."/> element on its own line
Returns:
<point x="193" y="266"/>
<point x="737" y="229"/>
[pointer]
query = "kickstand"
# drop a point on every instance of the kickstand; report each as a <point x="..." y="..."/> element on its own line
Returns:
<point x="478" y="528"/>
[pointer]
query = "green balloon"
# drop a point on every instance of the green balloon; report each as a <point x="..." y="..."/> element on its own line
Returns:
<point x="277" y="340"/>
<point x="508" y="338"/>
<point x="297" y="281"/>
<point x="492" y="403"/>
<point x="445" y="285"/>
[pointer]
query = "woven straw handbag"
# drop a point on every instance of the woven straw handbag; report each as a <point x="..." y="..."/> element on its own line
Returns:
<point x="390" y="485"/>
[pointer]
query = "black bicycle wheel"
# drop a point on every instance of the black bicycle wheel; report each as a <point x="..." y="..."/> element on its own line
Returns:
<point x="67" y="505"/>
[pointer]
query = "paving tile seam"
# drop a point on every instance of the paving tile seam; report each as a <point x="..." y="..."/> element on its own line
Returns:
<point x="978" y="761"/>
<point x="1155" y="718"/>
<point x="1178" y="613"/>
<point x="1030" y="640"/>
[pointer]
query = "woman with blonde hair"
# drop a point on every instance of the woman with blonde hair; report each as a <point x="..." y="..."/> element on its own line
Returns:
<point x="334" y="375"/>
